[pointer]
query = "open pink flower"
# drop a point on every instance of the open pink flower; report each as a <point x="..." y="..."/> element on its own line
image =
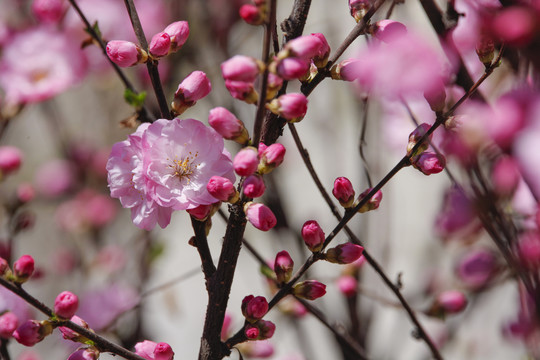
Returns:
<point x="127" y="182"/>
<point x="38" y="64"/>
<point x="180" y="157"/>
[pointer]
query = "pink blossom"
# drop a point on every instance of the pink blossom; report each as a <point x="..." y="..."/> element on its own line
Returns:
<point x="180" y="157"/>
<point x="30" y="73"/>
<point x="283" y="267"/>
<point x="344" y="253"/>
<point x="50" y="11"/>
<point x="66" y="304"/>
<point x="292" y="68"/>
<point x="23" y="268"/>
<point x="221" y="188"/>
<point x="271" y="157"/>
<point x="477" y="268"/>
<point x="251" y="14"/>
<point x="246" y="161"/>
<point x="227" y="125"/>
<point x="452" y="301"/>
<point x="260" y="216"/>
<point x="87" y="209"/>
<point x="178" y="32"/>
<point x="348" y="285"/>
<point x="128" y="183"/>
<point x="160" y="44"/>
<point x="193" y="88"/>
<point x="429" y="162"/>
<point x="241" y="68"/>
<point x="154" y="351"/>
<point x="405" y="66"/>
<point x="309" y="289"/>
<point x="291" y="106"/>
<point x="242" y="90"/>
<point x="343" y="191"/>
<point x="10" y="159"/>
<point x="55" y="177"/>
<point x="313" y="235"/>
<point x="254" y="307"/>
<point x="8" y="324"/>
<point x="253" y="186"/>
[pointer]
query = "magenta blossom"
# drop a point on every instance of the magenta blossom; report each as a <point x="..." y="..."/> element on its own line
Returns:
<point x="38" y="64"/>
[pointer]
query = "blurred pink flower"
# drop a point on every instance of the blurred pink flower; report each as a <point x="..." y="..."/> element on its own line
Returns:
<point x="38" y="64"/>
<point x="55" y="177"/>
<point x="406" y="66"/>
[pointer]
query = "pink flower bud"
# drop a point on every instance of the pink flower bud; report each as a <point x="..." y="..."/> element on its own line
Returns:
<point x="292" y="106"/>
<point x="252" y="332"/>
<point x="125" y="53"/>
<point x="476" y="269"/>
<point x="4" y="266"/>
<point x="271" y="157"/>
<point x="242" y="90"/>
<point x="274" y="85"/>
<point x="228" y="125"/>
<point x="252" y="14"/>
<point x="48" y="11"/>
<point x="415" y="136"/>
<point x="283" y="267"/>
<point x="246" y="161"/>
<point x="348" y="285"/>
<point x="178" y="32"/>
<point x="84" y="354"/>
<point x="373" y="203"/>
<point x="292" y="68"/>
<point x="69" y="334"/>
<point x="32" y="331"/>
<point x="23" y="268"/>
<point x="254" y="308"/>
<point x="193" y="88"/>
<point x="241" y="68"/>
<point x="313" y="235"/>
<point x="25" y="192"/>
<point x="388" y="30"/>
<point x="321" y="59"/>
<point x="505" y="176"/>
<point x="163" y="351"/>
<point x="222" y="189"/>
<point x="260" y="216"/>
<point x="436" y="96"/>
<point x="253" y="186"/>
<point x="514" y="25"/>
<point x="309" y="289"/>
<point x="8" y="324"/>
<point x="266" y="329"/>
<point x="306" y="47"/>
<point x="160" y="45"/>
<point x="66" y="304"/>
<point x="344" y="253"/>
<point x="429" y="162"/>
<point x="343" y="191"/>
<point x="452" y="301"/>
<point x="10" y="159"/>
<point x="485" y="49"/>
<point x="346" y="70"/>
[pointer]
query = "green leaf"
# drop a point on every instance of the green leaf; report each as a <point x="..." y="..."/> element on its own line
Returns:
<point x="135" y="99"/>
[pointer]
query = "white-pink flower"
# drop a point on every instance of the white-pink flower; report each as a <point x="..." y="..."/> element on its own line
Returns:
<point x="38" y="64"/>
<point x="180" y="157"/>
<point x="127" y="183"/>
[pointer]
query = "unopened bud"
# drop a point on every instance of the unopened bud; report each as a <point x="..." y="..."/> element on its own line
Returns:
<point x="253" y="186"/>
<point x="246" y="161"/>
<point x="260" y="216"/>
<point x="242" y="90"/>
<point x="241" y="68"/>
<point x="178" y="33"/>
<point x="254" y="308"/>
<point x="251" y="14"/>
<point x="228" y="125"/>
<point x="429" y="162"/>
<point x="283" y="267"/>
<point x="373" y="203"/>
<point x="23" y="268"/>
<point x="160" y="45"/>
<point x="66" y="304"/>
<point x="125" y="53"/>
<point x="448" y="302"/>
<point x="292" y="106"/>
<point x="32" y="331"/>
<point x="8" y="324"/>
<point x="10" y="159"/>
<point x="222" y="189"/>
<point x="313" y="235"/>
<point x="193" y="88"/>
<point x="414" y="138"/>
<point x="343" y="191"/>
<point x="344" y="253"/>
<point x="309" y="289"/>
<point x="270" y="157"/>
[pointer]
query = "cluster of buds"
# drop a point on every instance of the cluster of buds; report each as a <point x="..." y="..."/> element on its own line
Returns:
<point x="239" y="73"/>
<point x="126" y="54"/>
<point x="344" y="192"/>
<point x="260" y="330"/>
<point x="193" y="88"/>
<point x="255" y="13"/>
<point x="253" y="309"/>
<point x="150" y="350"/>
<point x="428" y="162"/>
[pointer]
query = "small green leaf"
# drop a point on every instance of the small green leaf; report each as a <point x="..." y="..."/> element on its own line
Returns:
<point x="135" y="99"/>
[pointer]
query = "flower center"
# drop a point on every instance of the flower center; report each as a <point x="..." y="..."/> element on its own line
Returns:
<point x="184" y="167"/>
